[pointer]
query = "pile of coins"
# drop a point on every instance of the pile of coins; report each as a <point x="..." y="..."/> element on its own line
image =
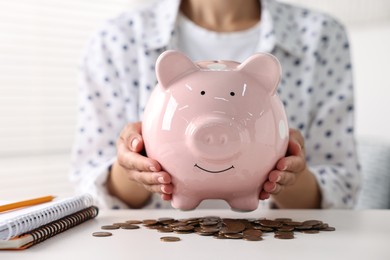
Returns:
<point x="223" y="228"/>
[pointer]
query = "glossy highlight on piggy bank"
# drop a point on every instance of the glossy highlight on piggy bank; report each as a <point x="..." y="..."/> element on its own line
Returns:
<point x="218" y="127"/>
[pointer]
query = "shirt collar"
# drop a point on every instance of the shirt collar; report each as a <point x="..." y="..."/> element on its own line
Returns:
<point x="280" y="28"/>
<point x="276" y="30"/>
<point x="159" y="23"/>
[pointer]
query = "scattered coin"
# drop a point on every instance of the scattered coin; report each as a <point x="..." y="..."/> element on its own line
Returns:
<point x="170" y="239"/>
<point x="252" y="232"/>
<point x="311" y="231"/>
<point x="284" y="235"/>
<point x="252" y="238"/>
<point x="129" y="226"/>
<point x="134" y="222"/>
<point x="285" y="228"/>
<point x="149" y="222"/>
<point x="110" y="227"/>
<point x="165" y="229"/>
<point x="166" y="220"/>
<point x="102" y="234"/>
<point x="312" y="222"/>
<point x="328" y="229"/>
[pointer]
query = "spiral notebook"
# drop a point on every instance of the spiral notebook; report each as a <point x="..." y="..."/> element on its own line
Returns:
<point x="27" y="227"/>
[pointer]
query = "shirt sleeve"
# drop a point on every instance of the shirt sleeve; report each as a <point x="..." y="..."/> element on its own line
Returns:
<point x="330" y="146"/>
<point x="103" y="111"/>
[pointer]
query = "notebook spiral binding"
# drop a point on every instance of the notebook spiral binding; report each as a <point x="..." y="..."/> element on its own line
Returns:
<point x="39" y="218"/>
<point x="49" y="230"/>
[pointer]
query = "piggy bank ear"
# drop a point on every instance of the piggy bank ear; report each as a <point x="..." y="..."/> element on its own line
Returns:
<point x="172" y="65"/>
<point x="265" y="68"/>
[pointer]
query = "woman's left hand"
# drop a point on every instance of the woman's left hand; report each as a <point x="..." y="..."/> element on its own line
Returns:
<point x="288" y="169"/>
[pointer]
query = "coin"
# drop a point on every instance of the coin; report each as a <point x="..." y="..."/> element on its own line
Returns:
<point x="252" y="235"/>
<point x="292" y="223"/>
<point x="166" y="220"/>
<point x="133" y="221"/>
<point x="312" y="222"/>
<point x="283" y="219"/>
<point x="234" y="236"/>
<point x="188" y="228"/>
<point x="170" y="239"/>
<point x="119" y="224"/>
<point x="110" y="227"/>
<point x="165" y="229"/>
<point x="328" y="229"/>
<point x="252" y="232"/>
<point x="311" y="231"/>
<point x="219" y="236"/>
<point x="270" y="223"/>
<point x="285" y="228"/>
<point x="155" y="226"/>
<point x="233" y="227"/>
<point x="149" y="222"/>
<point x="178" y="224"/>
<point x="252" y="238"/>
<point x="303" y="227"/>
<point x="209" y="223"/>
<point x="284" y="235"/>
<point x="101" y="234"/>
<point x="129" y="226"/>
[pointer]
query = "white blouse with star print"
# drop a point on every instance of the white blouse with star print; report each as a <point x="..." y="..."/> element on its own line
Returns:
<point x="316" y="88"/>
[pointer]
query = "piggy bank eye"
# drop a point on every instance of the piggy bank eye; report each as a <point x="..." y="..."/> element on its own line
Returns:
<point x="203" y="92"/>
<point x="232" y="94"/>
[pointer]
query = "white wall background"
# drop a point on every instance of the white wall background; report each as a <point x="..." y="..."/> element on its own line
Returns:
<point x="40" y="47"/>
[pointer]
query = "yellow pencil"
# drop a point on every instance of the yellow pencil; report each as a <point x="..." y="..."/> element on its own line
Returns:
<point x="26" y="203"/>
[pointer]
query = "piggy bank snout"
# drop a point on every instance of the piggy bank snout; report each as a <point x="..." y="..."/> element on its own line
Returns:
<point x="214" y="138"/>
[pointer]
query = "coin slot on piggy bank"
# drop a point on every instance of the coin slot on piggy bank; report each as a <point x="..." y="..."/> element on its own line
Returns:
<point x="218" y="127"/>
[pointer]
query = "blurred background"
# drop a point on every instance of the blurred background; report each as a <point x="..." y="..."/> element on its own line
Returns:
<point x="41" y="42"/>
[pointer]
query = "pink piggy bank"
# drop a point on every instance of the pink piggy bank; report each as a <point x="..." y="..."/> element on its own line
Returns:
<point x="218" y="127"/>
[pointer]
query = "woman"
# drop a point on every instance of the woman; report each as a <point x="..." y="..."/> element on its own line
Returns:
<point x="320" y="169"/>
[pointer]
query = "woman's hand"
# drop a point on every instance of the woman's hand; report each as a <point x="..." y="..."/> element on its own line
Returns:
<point x="288" y="169"/>
<point x="139" y="168"/>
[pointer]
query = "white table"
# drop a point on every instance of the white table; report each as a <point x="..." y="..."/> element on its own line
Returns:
<point x="359" y="235"/>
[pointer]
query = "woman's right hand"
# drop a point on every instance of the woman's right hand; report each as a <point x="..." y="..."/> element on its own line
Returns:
<point x="139" y="168"/>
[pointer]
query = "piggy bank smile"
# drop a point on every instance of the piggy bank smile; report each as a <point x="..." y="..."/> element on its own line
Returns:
<point x="214" y="171"/>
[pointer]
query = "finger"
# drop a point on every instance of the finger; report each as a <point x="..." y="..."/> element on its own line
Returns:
<point x="291" y="164"/>
<point x="296" y="143"/>
<point x="166" y="196"/>
<point x="294" y="148"/>
<point x="297" y="136"/>
<point x="269" y="186"/>
<point x="153" y="188"/>
<point x="276" y="189"/>
<point x="135" y="161"/>
<point x="158" y="188"/>
<point x="264" y="195"/>
<point x="151" y="178"/>
<point x="287" y="178"/>
<point x="167" y="189"/>
<point x="282" y="177"/>
<point x="274" y="176"/>
<point x="131" y="136"/>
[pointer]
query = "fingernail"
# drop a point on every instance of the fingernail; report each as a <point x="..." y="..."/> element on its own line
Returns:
<point x="152" y="169"/>
<point x="278" y="179"/>
<point x="134" y="143"/>
<point x="163" y="188"/>
<point x="299" y="146"/>
<point x="161" y="179"/>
